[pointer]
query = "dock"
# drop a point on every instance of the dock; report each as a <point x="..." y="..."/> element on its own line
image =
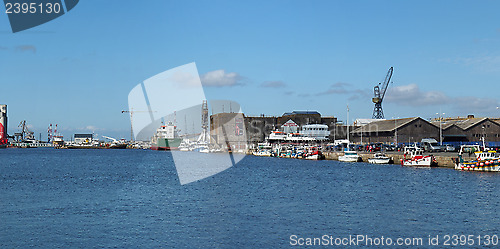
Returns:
<point x="443" y="159"/>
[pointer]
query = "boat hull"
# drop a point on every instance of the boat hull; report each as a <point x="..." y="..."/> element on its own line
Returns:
<point x="83" y="147"/>
<point x="421" y="162"/>
<point x="118" y="146"/>
<point x="313" y="157"/>
<point x="486" y="166"/>
<point x="349" y="159"/>
<point x="262" y="153"/>
<point x="167" y="144"/>
<point x="379" y="160"/>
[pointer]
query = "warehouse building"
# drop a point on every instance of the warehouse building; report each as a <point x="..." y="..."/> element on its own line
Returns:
<point x="405" y="130"/>
<point x="469" y="129"/>
<point x="410" y="130"/>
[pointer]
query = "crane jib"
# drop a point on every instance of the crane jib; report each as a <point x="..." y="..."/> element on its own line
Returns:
<point x="386" y="82"/>
<point x="379" y="93"/>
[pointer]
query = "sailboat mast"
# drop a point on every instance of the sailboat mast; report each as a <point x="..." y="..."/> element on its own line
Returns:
<point x="348" y="124"/>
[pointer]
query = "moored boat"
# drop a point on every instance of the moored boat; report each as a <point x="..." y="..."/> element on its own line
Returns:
<point x="311" y="153"/>
<point x="380" y="158"/>
<point x="350" y="156"/>
<point x="485" y="161"/>
<point x="264" y="152"/>
<point x="413" y="156"/>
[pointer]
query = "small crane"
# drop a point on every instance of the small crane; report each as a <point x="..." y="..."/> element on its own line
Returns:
<point x="25" y="134"/>
<point x="132" y="111"/>
<point x="378" y="113"/>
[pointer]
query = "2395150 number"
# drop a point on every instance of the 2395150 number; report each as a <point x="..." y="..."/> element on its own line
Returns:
<point x="32" y="8"/>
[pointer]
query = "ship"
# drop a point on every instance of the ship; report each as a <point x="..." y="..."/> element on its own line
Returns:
<point x="166" y="138"/>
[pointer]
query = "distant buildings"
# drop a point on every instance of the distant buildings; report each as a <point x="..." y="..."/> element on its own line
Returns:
<point x="259" y="127"/>
<point x="409" y="130"/>
<point x="404" y="130"/>
<point x="469" y="129"/>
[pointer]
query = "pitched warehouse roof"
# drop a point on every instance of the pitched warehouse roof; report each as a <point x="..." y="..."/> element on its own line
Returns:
<point x="463" y="124"/>
<point x="385" y="125"/>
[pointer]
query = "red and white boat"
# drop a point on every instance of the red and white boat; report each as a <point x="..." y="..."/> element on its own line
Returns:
<point x="413" y="156"/>
<point x="313" y="154"/>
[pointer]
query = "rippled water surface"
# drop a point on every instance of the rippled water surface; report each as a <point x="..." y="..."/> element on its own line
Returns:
<point x="132" y="198"/>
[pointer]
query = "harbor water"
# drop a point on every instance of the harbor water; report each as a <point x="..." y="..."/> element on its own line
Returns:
<point x="132" y="198"/>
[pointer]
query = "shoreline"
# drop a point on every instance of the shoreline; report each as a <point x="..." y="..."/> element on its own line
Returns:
<point x="442" y="160"/>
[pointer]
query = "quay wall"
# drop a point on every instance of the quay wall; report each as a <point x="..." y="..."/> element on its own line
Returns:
<point x="442" y="160"/>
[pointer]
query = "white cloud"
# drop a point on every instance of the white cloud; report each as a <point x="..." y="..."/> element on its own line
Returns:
<point x="220" y="78"/>
<point x="476" y="105"/>
<point x="411" y="95"/>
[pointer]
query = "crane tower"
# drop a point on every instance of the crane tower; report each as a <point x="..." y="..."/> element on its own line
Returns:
<point x="379" y="93"/>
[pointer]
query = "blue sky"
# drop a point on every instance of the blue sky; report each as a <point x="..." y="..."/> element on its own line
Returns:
<point x="270" y="56"/>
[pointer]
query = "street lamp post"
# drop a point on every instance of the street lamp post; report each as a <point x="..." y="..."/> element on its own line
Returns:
<point x="396" y="134"/>
<point x="361" y="135"/>
<point x="440" y="128"/>
<point x="396" y="130"/>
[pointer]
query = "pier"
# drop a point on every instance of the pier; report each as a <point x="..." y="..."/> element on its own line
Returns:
<point x="443" y="159"/>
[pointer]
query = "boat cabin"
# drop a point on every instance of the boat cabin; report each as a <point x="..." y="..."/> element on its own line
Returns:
<point x="487" y="155"/>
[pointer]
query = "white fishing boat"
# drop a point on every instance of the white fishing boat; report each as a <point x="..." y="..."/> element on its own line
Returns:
<point x="413" y="156"/>
<point x="313" y="157"/>
<point x="203" y="149"/>
<point x="264" y="152"/>
<point x="183" y="148"/>
<point x="350" y="156"/>
<point x="380" y="158"/>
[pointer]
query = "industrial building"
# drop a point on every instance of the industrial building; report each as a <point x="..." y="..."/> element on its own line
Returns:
<point x="469" y="129"/>
<point x="227" y="131"/>
<point x="405" y="130"/>
<point x="409" y="130"/>
<point x="257" y="128"/>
